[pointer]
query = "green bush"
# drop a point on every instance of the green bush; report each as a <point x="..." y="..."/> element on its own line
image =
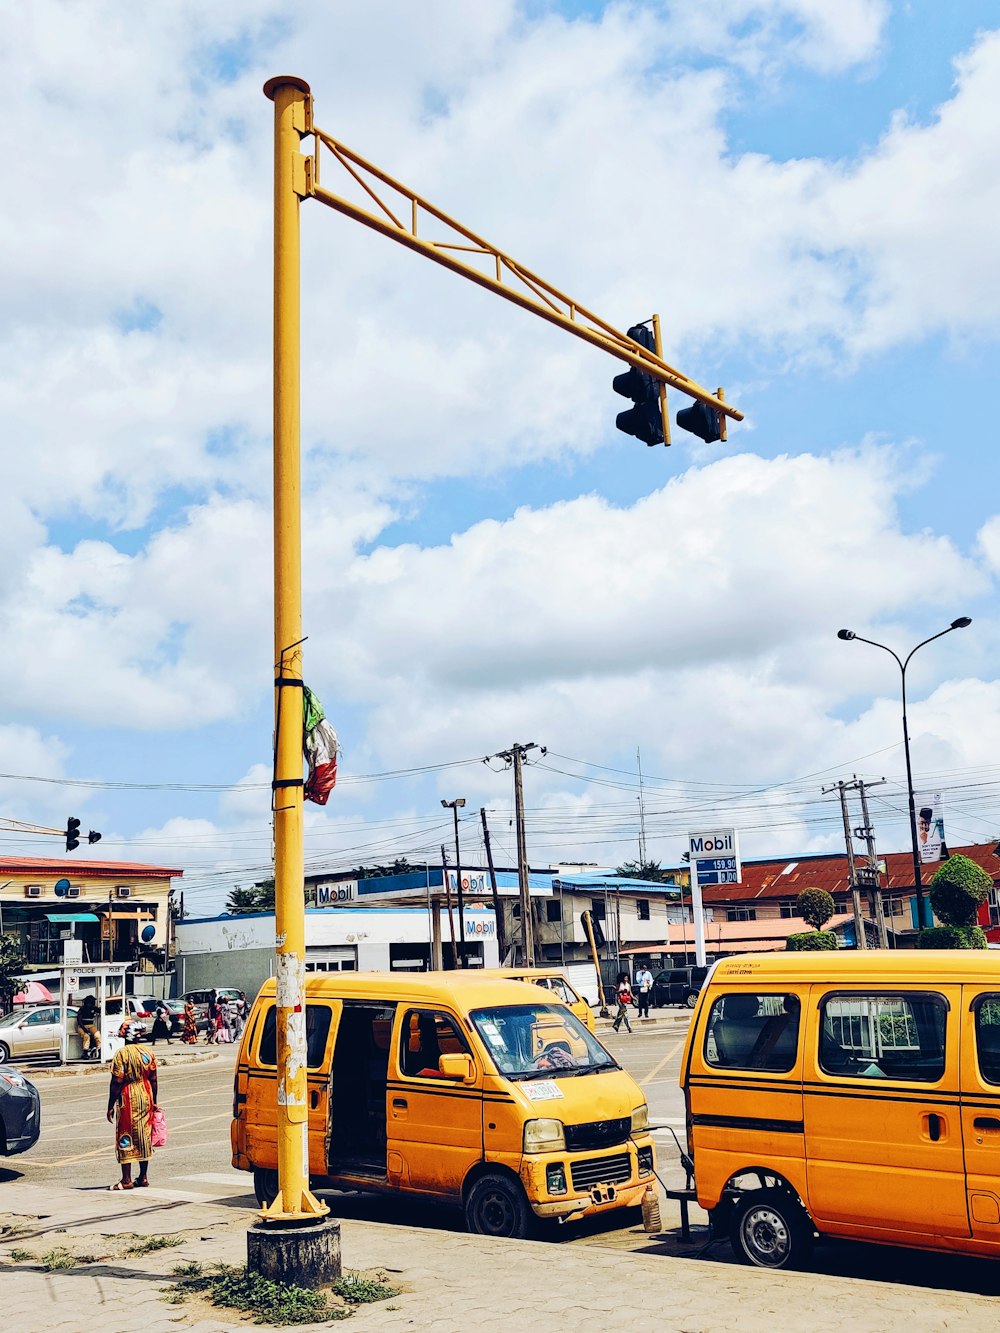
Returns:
<point x="952" y="937"/>
<point x="815" y="907"/>
<point x="812" y="939"/>
<point x="957" y="889"/>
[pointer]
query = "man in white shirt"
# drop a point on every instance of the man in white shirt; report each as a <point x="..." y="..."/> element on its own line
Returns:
<point x="644" y="989"/>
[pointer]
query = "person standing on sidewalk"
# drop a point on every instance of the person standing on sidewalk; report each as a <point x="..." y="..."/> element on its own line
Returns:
<point x="644" y="986"/>
<point x="624" y="994"/>
<point x="131" y="1102"/>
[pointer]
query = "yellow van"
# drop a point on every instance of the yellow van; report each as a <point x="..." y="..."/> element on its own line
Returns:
<point x="454" y="1087"/>
<point x="853" y="1094"/>
<point x="553" y="980"/>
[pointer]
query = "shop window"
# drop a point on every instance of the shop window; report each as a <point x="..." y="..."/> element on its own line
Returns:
<point x="642" y="910"/>
<point x="741" y="914"/>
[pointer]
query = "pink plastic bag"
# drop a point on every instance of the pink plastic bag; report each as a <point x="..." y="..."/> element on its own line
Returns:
<point x="158" y="1126"/>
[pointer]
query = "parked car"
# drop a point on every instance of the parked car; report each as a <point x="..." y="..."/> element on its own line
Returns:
<point x="678" y="985"/>
<point x="33" y="1032"/>
<point x="199" y="998"/>
<point x="20" y="1112"/>
<point x="145" y="1007"/>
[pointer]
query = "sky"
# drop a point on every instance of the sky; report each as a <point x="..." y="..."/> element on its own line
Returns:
<point x="805" y="193"/>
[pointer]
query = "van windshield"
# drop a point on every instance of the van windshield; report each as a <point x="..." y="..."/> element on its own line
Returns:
<point x="539" y="1041"/>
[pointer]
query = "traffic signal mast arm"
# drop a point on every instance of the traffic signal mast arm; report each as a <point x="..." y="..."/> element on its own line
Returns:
<point x="400" y="219"/>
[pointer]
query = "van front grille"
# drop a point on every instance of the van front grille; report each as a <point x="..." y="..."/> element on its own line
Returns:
<point x="601" y="1171"/>
<point x="598" y="1134"/>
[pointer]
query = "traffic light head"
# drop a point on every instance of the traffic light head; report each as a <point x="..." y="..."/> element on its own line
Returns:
<point x="644" y="420"/>
<point x="93" y="837"/>
<point x="700" y="420"/>
<point x="72" y="834"/>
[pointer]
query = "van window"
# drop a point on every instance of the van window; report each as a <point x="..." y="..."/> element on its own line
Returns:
<point x="987" y="1009"/>
<point x="317" y="1029"/>
<point x="537" y="1041"/>
<point x="427" y="1035"/>
<point x="884" y="1036"/>
<point x="747" y="1031"/>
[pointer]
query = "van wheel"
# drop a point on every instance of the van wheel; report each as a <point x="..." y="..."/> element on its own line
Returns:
<point x="691" y="1000"/>
<point x="770" y="1230"/>
<point x="496" y="1206"/>
<point x="265" y="1186"/>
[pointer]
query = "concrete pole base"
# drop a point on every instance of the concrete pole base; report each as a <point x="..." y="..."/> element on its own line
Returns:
<point x="307" y="1254"/>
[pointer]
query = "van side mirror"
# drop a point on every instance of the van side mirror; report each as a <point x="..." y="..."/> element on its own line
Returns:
<point x="458" y="1067"/>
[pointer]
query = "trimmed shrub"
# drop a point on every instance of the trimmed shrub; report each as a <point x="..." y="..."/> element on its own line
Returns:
<point x="952" y="937"/>
<point x="813" y="939"/>
<point x="815" y="907"/>
<point x="957" y="889"/>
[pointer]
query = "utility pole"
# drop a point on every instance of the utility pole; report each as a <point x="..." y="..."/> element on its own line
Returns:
<point x="642" y="809"/>
<point x="497" y="911"/>
<point x="871" y="873"/>
<point x="447" y="898"/>
<point x="859" y="925"/>
<point x="515" y="756"/>
<point x="454" y="806"/>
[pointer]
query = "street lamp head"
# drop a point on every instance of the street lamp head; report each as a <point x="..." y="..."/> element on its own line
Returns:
<point x="458" y="802"/>
<point x="846" y="634"/>
<point x="961" y="622"/>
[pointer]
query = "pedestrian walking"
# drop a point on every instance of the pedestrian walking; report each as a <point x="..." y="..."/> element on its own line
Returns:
<point x="161" y="1025"/>
<point x="624" y="995"/>
<point x="86" y="1026"/>
<point x="190" y="1035"/>
<point x="213" y="1017"/>
<point x="644" y="989"/>
<point x="131" y="1103"/>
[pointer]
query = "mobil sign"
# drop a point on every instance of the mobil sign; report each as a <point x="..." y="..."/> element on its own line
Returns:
<point x="715" y="856"/>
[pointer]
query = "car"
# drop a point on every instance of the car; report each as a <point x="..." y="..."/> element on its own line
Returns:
<point x="34" y="1031"/>
<point x="199" y="998"/>
<point x="20" y="1112"/>
<point x="678" y="985"/>
<point x="175" y="1008"/>
<point x="146" y="1006"/>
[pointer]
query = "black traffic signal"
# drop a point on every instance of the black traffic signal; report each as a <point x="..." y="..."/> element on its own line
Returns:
<point x="644" y="421"/>
<point x="93" y="837"/>
<point x="700" y="420"/>
<point x="72" y="834"/>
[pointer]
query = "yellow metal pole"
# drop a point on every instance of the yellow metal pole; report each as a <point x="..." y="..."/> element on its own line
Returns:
<point x="664" y="411"/>
<point x="294" y="1199"/>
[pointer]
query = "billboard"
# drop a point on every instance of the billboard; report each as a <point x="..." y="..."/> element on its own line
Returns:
<point x="930" y="825"/>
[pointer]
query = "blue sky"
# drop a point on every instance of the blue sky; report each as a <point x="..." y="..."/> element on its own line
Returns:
<point x="806" y="194"/>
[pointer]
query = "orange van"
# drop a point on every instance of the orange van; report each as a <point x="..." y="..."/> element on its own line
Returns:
<point x="451" y="1086"/>
<point x="847" y="1094"/>
<point x="553" y="980"/>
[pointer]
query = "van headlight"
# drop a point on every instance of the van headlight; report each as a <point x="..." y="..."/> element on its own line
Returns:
<point x="640" y="1118"/>
<point x="544" y="1136"/>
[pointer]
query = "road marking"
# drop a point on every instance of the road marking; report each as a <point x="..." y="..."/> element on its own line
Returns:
<point x="99" y="1152"/>
<point x="678" y="1046"/>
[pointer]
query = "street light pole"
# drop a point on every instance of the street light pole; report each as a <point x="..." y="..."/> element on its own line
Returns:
<point x="847" y="634"/>
<point x="454" y="806"/>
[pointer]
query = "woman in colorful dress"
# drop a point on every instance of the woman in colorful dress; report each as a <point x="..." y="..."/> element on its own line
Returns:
<point x="131" y="1102"/>
<point x="190" y="1024"/>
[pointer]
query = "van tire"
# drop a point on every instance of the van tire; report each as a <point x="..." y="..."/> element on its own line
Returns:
<point x="769" y="1229"/>
<point x="497" y="1206"/>
<point x="265" y="1185"/>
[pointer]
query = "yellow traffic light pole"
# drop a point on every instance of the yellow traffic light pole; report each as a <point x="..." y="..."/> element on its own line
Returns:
<point x="297" y="177"/>
<point x="294" y="1200"/>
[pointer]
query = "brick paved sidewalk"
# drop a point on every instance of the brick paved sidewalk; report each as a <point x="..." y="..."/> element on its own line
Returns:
<point x="449" y="1283"/>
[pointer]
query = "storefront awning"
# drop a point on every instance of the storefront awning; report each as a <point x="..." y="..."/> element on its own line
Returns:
<point x="59" y="918"/>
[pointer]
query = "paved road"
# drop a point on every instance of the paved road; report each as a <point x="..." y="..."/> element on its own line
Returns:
<point x="76" y="1150"/>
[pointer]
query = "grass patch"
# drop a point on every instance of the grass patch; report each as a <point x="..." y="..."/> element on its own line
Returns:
<point x="134" y="1245"/>
<point x="59" y="1259"/>
<point x="278" y="1303"/>
<point x="21" y="1256"/>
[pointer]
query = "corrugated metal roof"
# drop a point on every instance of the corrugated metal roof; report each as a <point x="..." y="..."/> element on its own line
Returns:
<point x="81" y="869"/>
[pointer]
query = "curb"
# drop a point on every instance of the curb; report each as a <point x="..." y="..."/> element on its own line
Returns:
<point x="99" y="1067"/>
